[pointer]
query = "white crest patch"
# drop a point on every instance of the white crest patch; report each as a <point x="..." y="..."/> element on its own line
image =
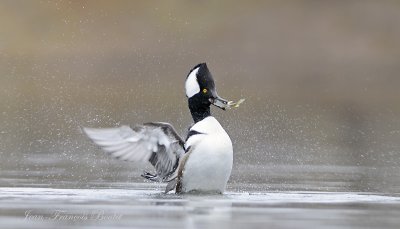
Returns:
<point x="191" y="85"/>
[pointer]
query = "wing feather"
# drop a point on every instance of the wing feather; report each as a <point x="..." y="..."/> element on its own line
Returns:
<point x="157" y="143"/>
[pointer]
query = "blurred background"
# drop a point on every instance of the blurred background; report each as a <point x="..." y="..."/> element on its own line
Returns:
<point x="320" y="78"/>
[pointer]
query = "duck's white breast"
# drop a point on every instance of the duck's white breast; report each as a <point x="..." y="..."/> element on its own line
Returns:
<point x="209" y="163"/>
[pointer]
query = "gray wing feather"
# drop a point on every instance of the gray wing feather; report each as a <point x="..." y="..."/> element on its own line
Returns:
<point x="157" y="143"/>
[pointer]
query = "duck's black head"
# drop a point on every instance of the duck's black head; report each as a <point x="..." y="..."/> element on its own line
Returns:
<point x="201" y="92"/>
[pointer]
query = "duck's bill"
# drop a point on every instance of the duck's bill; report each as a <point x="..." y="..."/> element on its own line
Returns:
<point x="225" y="104"/>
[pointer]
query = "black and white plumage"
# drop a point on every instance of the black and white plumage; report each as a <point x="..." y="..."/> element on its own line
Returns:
<point x="203" y="162"/>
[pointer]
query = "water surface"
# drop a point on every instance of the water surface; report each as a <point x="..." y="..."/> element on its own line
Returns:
<point x="145" y="206"/>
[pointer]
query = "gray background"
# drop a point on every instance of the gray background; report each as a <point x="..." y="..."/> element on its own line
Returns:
<point x="320" y="79"/>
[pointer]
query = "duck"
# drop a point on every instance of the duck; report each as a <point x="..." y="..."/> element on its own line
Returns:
<point x="202" y="162"/>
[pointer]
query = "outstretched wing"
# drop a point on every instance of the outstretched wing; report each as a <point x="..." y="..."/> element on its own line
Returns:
<point x="157" y="143"/>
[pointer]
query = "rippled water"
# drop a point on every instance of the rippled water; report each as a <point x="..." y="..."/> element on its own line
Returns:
<point x="144" y="205"/>
<point x="42" y="192"/>
<point x="92" y="191"/>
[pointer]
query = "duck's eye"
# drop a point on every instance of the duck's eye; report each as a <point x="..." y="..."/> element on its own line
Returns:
<point x="205" y="90"/>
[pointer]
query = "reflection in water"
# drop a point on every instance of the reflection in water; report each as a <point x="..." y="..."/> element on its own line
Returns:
<point x="142" y="207"/>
